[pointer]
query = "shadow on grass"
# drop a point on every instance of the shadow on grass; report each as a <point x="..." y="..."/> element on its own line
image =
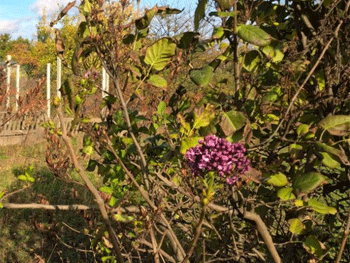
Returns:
<point x="28" y="235"/>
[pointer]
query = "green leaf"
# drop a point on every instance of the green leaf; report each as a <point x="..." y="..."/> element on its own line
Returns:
<point x="223" y="14"/>
<point x="202" y="76"/>
<point x="144" y="21"/>
<point x="253" y="35"/>
<point x="30" y="179"/>
<point x="296" y="226"/>
<point x="158" y="81"/>
<point x="160" y="53"/>
<point x="185" y="40"/>
<point x="22" y="177"/>
<point x="338" y="125"/>
<point x="113" y="201"/>
<point x="251" y="60"/>
<point x="313" y="246"/>
<point x="88" y="150"/>
<point x="185" y="125"/>
<point x="335" y="153"/>
<point x="165" y="10"/>
<point x="123" y="218"/>
<point x="273" y="52"/>
<point x="218" y="32"/>
<point x="232" y="121"/>
<point x="286" y="193"/>
<point x="278" y="180"/>
<point x="85" y="7"/>
<point x="199" y="13"/>
<point x="225" y="4"/>
<point x="1" y="205"/>
<point x="91" y="165"/>
<point x="106" y="189"/>
<point x="321" y="207"/>
<point x="308" y="182"/>
<point x="328" y="161"/>
<point x="188" y="143"/>
<point x="326" y="3"/>
<point x="205" y="117"/>
<point x="161" y="108"/>
<point x="302" y="129"/>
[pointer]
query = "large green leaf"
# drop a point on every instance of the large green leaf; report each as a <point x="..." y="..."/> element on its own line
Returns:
<point x="338" y="125"/>
<point x="296" y="226"/>
<point x="321" y="207"/>
<point x="160" y="53"/>
<point x="254" y="35"/>
<point x="278" y="180"/>
<point x="199" y="13"/>
<point x="308" y="182"/>
<point x="232" y="121"/>
<point x="158" y="81"/>
<point x="204" y="118"/>
<point x="202" y="76"/>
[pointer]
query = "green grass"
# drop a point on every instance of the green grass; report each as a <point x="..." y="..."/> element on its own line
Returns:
<point x="30" y="235"/>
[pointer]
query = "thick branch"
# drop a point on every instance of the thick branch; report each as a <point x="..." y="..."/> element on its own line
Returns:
<point x="47" y="207"/>
<point x="264" y="233"/>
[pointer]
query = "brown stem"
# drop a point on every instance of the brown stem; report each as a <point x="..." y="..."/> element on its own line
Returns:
<point x="91" y="187"/>
<point x="344" y="239"/>
<point x="197" y="234"/>
<point x="47" y="207"/>
<point x="154" y="246"/>
<point x="264" y="234"/>
<point x="162" y="252"/>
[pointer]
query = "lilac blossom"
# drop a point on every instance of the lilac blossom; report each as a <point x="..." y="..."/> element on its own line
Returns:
<point x="217" y="154"/>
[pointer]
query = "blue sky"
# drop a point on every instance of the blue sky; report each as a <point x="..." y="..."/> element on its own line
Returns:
<point x="19" y="17"/>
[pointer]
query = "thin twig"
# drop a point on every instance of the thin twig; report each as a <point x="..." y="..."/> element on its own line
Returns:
<point x="344" y="239"/>
<point x="197" y="234"/>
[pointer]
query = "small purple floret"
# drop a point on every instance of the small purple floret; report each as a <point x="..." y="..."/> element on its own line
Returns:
<point x="217" y="154"/>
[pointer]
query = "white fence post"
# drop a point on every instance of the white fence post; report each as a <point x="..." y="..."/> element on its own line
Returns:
<point x="17" y="85"/>
<point x="59" y="76"/>
<point x="8" y="81"/>
<point x="103" y="82"/>
<point x="48" y="94"/>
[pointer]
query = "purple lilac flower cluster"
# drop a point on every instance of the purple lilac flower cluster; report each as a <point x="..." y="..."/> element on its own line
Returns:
<point x="217" y="154"/>
<point x="91" y="74"/>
